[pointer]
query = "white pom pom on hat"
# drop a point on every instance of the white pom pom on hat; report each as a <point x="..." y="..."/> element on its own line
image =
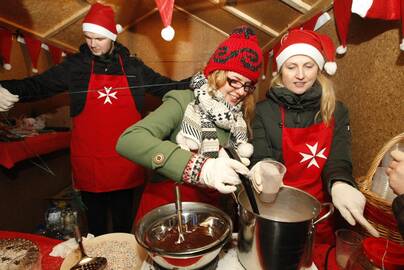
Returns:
<point x="7" y="66"/>
<point x="119" y="28"/>
<point x="330" y="68"/>
<point x="305" y="42"/>
<point x="168" y="33"/>
<point x="341" y="49"/>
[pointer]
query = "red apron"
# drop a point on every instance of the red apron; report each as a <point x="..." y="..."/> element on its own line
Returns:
<point x="158" y="194"/>
<point x="305" y="152"/>
<point x="108" y="111"/>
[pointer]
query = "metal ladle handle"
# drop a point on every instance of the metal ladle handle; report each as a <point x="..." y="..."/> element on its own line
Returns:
<point x="178" y="206"/>
<point x="79" y="239"/>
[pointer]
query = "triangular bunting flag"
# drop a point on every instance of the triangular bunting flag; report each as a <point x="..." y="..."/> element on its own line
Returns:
<point x="6" y="42"/>
<point x="34" y="48"/>
<point x="55" y="53"/>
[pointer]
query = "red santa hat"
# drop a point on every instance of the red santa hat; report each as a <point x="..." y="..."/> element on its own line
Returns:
<point x="101" y="20"/>
<point x="304" y="42"/>
<point x="239" y="53"/>
<point x="165" y="8"/>
<point x="374" y="9"/>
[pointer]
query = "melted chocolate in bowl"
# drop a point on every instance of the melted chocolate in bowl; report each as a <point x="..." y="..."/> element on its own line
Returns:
<point x="165" y="236"/>
<point x="194" y="237"/>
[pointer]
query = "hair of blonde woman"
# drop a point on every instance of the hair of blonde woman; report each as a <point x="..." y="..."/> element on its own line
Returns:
<point x="328" y="97"/>
<point x="218" y="79"/>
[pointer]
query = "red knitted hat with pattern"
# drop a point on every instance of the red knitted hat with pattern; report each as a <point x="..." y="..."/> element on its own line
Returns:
<point x="100" y="20"/>
<point x="305" y="42"/>
<point x="239" y="53"/>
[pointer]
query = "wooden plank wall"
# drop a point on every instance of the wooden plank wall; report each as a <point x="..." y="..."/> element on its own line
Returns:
<point x="369" y="79"/>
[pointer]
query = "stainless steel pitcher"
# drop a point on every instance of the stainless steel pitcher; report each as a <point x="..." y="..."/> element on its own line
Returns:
<point x="281" y="237"/>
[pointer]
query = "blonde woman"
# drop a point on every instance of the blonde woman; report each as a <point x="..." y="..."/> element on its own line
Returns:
<point x="303" y="126"/>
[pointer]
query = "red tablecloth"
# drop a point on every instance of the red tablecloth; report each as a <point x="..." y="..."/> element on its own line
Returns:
<point x="53" y="263"/>
<point x="45" y="245"/>
<point x="12" y="152"/>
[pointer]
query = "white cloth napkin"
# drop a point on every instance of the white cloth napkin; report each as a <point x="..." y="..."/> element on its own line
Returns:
<point x="63" y="249"/>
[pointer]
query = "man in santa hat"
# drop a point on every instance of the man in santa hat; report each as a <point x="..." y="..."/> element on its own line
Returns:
<point x="106" y="87"/>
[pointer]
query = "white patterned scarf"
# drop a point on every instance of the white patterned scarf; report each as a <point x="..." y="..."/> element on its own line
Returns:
<point x="207" y="112"/>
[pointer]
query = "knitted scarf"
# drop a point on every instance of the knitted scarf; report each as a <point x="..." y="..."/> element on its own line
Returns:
<point x="206" y="113"/>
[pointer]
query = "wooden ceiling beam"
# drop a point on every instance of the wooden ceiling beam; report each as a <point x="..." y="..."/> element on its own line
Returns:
<point x="299" y="5"/>
<point x="250" y="20"/>
<point x="201" y="20"/>
<point x="14" y="25"/>
<point x="66" y="22"/>
<point x="320" y="6"/>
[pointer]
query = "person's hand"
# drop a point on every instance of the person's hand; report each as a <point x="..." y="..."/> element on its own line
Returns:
<point x="264" y="170"/>
<point x="222" y="174"/>
<point x="223" y="154"/>
<point x="395" y="171"/>
<point x="350" y="202"/>
<point x="7" y="99"/>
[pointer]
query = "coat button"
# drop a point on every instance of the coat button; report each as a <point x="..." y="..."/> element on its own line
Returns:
<point x="159" y="158"/>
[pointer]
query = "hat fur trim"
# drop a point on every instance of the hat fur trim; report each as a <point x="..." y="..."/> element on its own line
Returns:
<point x="300" y="49"/>
<point x="94" y="28"/>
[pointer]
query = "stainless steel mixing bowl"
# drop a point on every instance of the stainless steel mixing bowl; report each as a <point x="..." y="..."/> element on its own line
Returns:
<point x="155" y="225"/>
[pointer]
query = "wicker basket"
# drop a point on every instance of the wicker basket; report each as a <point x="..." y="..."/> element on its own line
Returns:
<point x="378" y="210"/>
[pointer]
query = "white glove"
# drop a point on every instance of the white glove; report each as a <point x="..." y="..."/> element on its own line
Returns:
<point x="263" y="170"/>
<point x="223" y="154"/>
<point x="351" y="203"/>
<point x="222" y="174"/>
<point x="7" y="99"/>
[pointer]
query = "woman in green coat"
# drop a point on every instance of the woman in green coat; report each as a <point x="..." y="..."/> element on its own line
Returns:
<point x="181" y="140"/>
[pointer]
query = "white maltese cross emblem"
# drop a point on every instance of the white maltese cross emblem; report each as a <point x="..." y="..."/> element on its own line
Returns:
<point x="107" y="95"/>
<point x="312" y="155"/>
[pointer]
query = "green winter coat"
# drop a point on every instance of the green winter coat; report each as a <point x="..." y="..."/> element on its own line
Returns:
<point x="300" y="112"/>
<point x="151" y="141"/>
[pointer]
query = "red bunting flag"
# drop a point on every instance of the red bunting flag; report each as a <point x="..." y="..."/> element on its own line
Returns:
<point x="6" y="41"/>
<point x="34" y="48"/>
<point x="55" y="53"/>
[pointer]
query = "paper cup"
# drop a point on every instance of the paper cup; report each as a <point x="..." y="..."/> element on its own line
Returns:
<point x="272" y="172"/>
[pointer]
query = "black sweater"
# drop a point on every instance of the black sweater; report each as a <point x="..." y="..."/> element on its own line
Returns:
<point x="73" y="75"/>
<point x="398" y="209"/>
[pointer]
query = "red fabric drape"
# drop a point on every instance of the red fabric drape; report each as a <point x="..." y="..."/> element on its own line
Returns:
<point x="6" y="39"/>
